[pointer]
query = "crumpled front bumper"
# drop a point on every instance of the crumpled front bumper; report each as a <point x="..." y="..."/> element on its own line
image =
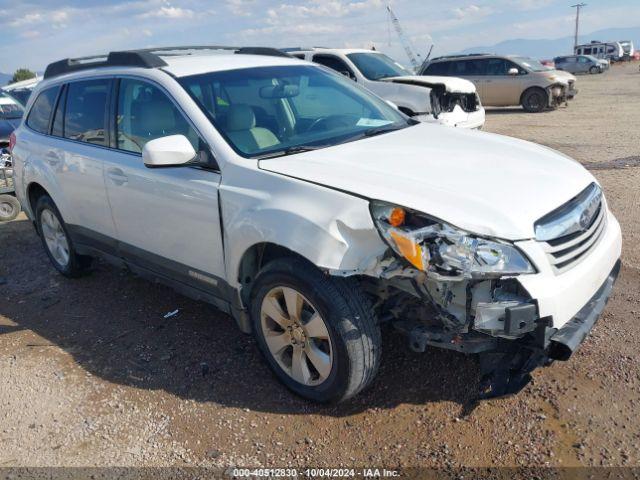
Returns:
<point x="508" y="371"/>
<point x="567" y="340"/>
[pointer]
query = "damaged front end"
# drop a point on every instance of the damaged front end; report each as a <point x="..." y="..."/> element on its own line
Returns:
<point x="443" y="101"/>
<point x="453" y="101"/>
<point x="558" y="95"/>
<point x="447" y="288"/>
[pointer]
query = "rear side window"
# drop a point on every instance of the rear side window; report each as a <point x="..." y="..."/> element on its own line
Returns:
<point x="85" y="112"/>
<point x="146" y="113"/>
<point x="440" y="68"/>
<point x="40" y="113"/>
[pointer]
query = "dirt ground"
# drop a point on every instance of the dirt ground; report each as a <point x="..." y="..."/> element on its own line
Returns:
<point x="92" y="374"/>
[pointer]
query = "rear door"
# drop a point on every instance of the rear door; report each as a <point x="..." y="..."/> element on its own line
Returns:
<point x="76" y="152"/>
<point x="167" y="219"/>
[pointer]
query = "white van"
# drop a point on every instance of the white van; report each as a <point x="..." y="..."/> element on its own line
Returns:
<point x="312" y="212"/>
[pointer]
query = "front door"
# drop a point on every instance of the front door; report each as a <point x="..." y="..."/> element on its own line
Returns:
<point x="499" y="87"/>
<point x="167" y="219"/>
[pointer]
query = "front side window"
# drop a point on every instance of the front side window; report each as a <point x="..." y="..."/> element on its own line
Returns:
<point x="40" y="113"/>
<point x="146" y="113"/>
<point x="85" y="111"/>
<point x="270" y="110"/>
<point x="377" y="66"/>
<point x="334" y="63"/>
<point x="497" y="66"/>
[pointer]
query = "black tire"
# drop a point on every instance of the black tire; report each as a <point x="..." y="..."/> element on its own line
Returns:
<point x="534" y="100"/>
<point x="593" y="70"/>
<point x="353" y="329"/>
<point x="9" y="208"/>
<point x="76" y="265"/>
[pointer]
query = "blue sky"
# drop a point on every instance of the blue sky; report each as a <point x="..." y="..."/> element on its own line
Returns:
<point x="36" y="32"/>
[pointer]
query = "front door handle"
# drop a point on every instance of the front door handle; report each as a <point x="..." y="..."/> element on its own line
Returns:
<point x="117" y="176"/>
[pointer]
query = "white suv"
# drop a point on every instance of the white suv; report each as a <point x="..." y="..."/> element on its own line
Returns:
<point x="449" y="101"/>
<point x="312" y="212"/>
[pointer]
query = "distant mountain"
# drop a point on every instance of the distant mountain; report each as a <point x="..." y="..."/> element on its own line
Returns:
<point x="546" y="49"/>
<point x="4" y="78"/>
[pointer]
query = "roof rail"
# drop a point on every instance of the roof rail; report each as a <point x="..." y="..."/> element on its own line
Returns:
<point x="146" y="58"/>
<point x="114" y="59"/>
<point x="461" y="55"/>
<point x="273" y="52"/>
<point x="296" y="49"/>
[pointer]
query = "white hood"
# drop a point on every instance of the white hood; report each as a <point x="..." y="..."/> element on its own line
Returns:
<point x="451" y="84"/>
<point x="484" y="183"/>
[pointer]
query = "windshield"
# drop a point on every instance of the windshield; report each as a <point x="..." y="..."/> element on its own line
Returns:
<point x="10" y="111"/>
<point x="271" y="111"/>
<point x="531" y="64"/>
<point x="377" y="66"/>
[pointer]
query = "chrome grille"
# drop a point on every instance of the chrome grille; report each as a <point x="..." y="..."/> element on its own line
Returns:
<point x="580" y="223"/>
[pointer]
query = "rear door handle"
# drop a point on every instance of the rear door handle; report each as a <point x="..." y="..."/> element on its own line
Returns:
<point x="117" y="176"/>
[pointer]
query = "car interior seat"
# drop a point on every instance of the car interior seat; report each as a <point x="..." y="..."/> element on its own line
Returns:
<point x="242" y="130"/>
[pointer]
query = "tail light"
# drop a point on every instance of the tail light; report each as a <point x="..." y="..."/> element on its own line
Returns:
<point x="12" y="141"/>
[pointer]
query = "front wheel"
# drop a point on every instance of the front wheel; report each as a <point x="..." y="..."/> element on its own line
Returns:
<point x="9" y="208"/>
<point x="534" y="100"/>
<point x="594" y="70"/>
<point x="318" y="333"/>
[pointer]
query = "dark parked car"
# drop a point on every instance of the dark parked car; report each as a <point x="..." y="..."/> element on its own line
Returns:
<point x="10" y="116"/>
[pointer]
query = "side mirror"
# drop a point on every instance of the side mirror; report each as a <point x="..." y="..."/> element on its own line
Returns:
<point x="171" y="151"/>
<point x="513" y="71"/>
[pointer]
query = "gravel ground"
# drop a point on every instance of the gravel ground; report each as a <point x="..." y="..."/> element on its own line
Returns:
<point x="92" y="374"/>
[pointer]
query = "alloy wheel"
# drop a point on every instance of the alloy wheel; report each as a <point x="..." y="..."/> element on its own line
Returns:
<point x="296" y="335"/>
<point x="55" y="237"/>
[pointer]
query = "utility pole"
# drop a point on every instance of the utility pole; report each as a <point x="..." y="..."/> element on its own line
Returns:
<point x="577" y="6"/>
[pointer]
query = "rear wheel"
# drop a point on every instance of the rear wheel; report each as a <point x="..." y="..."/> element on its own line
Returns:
<point x="318" y="333"/>
<point x="534" y="100"/>
<point x="9" y="208"/>
<point x="56" y="240"/>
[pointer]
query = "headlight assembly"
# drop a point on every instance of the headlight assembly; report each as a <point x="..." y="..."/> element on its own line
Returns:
<point x="439" y="248"/>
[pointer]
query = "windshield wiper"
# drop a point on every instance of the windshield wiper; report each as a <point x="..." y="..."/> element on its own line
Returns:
<point x="372" y="132"/>
<point x="291" y="151"/>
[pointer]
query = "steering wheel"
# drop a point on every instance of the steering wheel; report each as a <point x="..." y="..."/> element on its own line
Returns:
<point x="331" y="122"/>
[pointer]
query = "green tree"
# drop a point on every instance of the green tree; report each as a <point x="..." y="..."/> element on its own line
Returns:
<point x="22" y="74"/>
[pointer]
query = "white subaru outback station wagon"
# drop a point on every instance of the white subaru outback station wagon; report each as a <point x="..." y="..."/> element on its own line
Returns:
<point x="313" y="212"/>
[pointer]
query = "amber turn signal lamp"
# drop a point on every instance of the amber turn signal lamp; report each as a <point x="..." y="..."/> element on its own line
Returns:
<point x="397" y="217"/>
<point x="409" y="249"/>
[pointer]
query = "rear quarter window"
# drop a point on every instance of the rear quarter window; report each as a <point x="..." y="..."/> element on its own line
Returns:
<point x="40" y="113"/>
